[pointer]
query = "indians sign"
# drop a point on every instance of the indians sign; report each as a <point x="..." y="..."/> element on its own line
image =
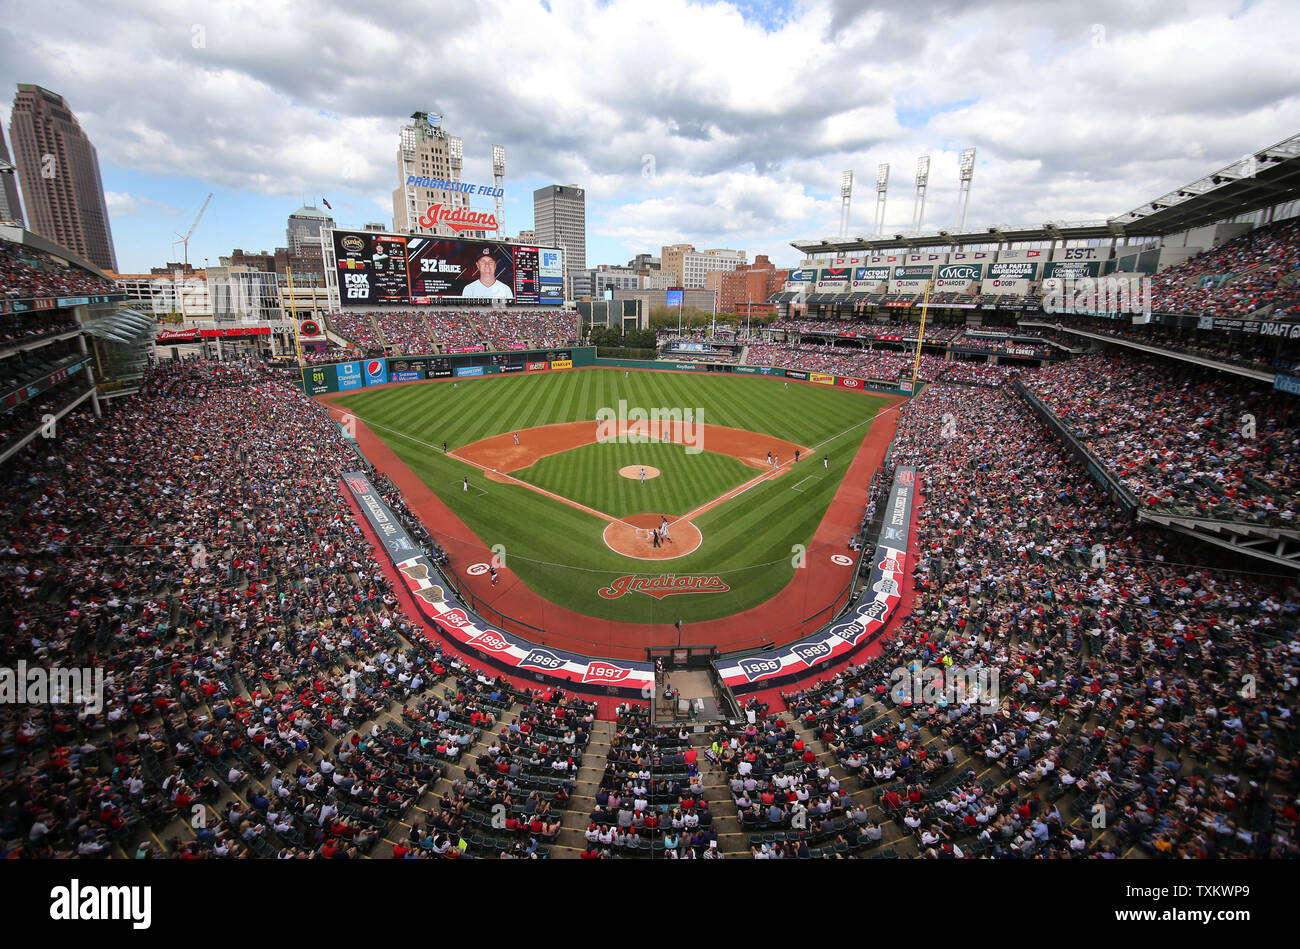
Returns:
<point x="667" y="584"/>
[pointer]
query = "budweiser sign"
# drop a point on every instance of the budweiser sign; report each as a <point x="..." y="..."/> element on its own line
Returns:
<point x="459" y="219"/>
<point x="666" y="584"/>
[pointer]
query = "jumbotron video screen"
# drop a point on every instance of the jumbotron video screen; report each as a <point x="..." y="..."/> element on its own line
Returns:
<point x="397" y="269"/>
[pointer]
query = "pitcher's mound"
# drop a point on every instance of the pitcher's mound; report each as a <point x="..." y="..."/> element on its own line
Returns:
<point x="634" y="472"/>
<point x="631" y="537"/>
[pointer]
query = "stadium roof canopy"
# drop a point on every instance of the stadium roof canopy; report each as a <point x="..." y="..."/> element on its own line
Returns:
<point x="1268" y="177"/>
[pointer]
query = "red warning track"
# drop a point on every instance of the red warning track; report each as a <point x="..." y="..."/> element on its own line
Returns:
<point x="781" y="618"/>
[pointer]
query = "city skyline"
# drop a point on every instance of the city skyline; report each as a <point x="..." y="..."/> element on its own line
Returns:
<point x="741" y="146"/>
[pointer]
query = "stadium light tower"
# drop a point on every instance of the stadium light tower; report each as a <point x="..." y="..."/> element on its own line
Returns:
<point x="922" y="182"/>
<point x="846" y="198"/>
<point x="498" y="179"/>
<point x="882" y="189"/>
<point x="455" y="162"/>
<point x="963" y="194"/>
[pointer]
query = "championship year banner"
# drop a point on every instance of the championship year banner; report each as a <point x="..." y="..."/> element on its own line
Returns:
<point x="470" y="634"/>
<point x="864" y="624"/>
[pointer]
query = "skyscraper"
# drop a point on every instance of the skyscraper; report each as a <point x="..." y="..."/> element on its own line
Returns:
<point x="11" y="208"/>
<point x="59" y="172"/>
<point x="427" y="155"/>
<point x="302" y="235"/>
<point x="560" y="220"/>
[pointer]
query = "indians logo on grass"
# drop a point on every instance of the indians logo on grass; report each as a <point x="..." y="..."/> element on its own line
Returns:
<point x="598" y="670"/>
<point x="667" y="584"/>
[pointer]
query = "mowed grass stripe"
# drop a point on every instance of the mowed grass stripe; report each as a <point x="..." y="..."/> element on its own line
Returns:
<point x="589" y="475"/>
<point x="557" y="550"/>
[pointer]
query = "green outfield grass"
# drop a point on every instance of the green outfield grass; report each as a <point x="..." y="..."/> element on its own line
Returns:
<point x="589" y="475"/>
<point x="557" y="550"/>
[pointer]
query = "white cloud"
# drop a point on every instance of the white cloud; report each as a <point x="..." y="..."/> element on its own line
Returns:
<point x="749" y="128"/>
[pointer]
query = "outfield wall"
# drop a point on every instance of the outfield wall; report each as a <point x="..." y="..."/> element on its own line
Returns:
<point x="818" y="378"/>
<point x="381" y="370"/>
<point x="866" y="622"/>
<point x="469" y="633"/>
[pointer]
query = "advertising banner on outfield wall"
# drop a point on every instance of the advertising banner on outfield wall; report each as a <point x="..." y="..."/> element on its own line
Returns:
<point x="317" y="380"/>
<point x="863" y="624"/>
<point x="376" y="372"/>
<point x="561" y="363"/>
<point x="821" y="378"/>
<point x="469" y="370"/>
<point x="349" y="376"/>
<point x="470" y="634"/>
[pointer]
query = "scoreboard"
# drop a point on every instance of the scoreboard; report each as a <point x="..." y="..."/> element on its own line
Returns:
<point x="399" y="269"/>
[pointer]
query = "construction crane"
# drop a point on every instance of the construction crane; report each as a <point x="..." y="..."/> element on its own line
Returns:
<point x="186" y="239"/>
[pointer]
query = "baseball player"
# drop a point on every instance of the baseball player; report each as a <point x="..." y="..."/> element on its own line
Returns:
<point x="654" y="538"/>
<point x="466" y="488"/>
<point x="796" y="456"/>
<point x="444" y="448"/>
<point x="663" y="530"/>
<point x="643" y="476"/>
<point x="826" y="461"/>
<point x="769" y="457"/>
<point x="516" y="438"/>
<point x="787" y="385"/>
<point x="492" y="572"/>
<point x="455" y="385"/>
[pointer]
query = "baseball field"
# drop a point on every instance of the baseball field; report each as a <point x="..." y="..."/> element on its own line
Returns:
<point x="566" y="506"/>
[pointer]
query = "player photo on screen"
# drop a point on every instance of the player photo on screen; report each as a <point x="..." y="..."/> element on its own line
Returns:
<point x="448" y="268"/>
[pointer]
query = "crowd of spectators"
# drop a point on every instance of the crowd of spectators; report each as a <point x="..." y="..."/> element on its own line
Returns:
<point x="25" y="327"/>
<point x="1254" y="264"/>
<point x="407" y="331"/>
<point x="1110" y="673"/>
<point x="240" y="618"/>
<point x="25" y="272"/>
<point x="651" y="800"/>
<point x="539" y="328"/>
<point x="1238" y="349"/>
<point x="1190" y="440"/>
<point x="876" y="363"/>
<point x="358" y="328"/>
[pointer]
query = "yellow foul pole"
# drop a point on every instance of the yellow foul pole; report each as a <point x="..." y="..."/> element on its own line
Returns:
<point x="920" y="336"/>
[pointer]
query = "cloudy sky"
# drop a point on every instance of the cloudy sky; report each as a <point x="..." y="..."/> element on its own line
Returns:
<point x="723" y="124"/>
